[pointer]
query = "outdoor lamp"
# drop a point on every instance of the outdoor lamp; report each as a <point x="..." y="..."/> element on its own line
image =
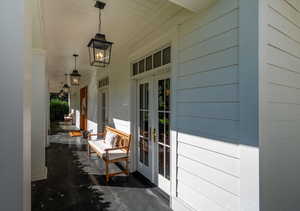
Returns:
<point x="75" y="76"/>
<point x="99" y="47"/>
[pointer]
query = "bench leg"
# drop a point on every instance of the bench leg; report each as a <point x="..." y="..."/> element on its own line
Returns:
<point x="106" y="172"/>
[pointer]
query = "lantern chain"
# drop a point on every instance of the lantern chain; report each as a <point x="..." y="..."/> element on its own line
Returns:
<point x="99" y="26"/>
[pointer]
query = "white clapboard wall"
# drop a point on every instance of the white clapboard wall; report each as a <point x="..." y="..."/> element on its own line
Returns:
<point x="207" y="102"/>
<point x="279" y="147"/>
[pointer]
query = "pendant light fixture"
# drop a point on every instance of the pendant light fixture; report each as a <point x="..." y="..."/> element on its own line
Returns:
<point x="75" y="76"/>
<point x="99" y="47"/>
<point x="61" y="94"/>
<point x="66" y="87"/>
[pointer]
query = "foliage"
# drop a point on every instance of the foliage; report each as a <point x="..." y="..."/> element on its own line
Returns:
<point x="58" y="109"/>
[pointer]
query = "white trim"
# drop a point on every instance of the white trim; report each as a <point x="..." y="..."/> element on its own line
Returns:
<point x="249" y="66"/>
<point x="39" y="174"/>
<point x="38" y="52"/>
<point x="173" y="126"/>
<point x="154" y="72"/>
<point x="133" y="127"/>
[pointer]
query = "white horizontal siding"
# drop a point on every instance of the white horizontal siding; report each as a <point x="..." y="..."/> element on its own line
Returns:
<point x="207" y="117"/>
<point x="209" y="127"/>
<point x="229" y="165"/>
<point x="216" y="77"/>
<point x="226" y="111"/>
<point x="223" y="58"/>
<point x="209" y="190"/>
<point x="225" y="181"/>
<point x="280" y="147"/>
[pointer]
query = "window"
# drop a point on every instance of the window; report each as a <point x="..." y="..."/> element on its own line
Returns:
<point x="155" y="60"/>
<point x="149" y="63"/>
<point x="142" y="66"/>
<point x="103" y="82"/>
<point x="166" y="55"/>
<point x="135" y="69"/>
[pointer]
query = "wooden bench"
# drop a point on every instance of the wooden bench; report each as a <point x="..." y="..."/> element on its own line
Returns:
<point x="111" y="154"/>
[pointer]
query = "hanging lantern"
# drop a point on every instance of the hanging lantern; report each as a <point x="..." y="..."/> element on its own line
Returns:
<point x="66" y="88"/>
<point x="75" y="76"/>
<point x="99" y="47"/>
<point x="61" y="94"/>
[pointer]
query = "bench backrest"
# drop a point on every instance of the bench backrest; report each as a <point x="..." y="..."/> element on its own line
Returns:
<point x="123" y="139"/>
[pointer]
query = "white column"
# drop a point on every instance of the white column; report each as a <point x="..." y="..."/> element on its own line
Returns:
<point x="39" y="115"/>
<point x="15" y="105"/>
<point x="249" y="68"/>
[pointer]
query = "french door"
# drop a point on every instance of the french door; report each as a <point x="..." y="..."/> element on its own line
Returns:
<point x="102" y="109"/>
<point x="154" y="130"/>
<point x="83" y="108"/>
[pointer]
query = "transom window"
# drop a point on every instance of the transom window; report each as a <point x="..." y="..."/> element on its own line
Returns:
<point x="153" y="61"/>
<point x="103" y="82"/>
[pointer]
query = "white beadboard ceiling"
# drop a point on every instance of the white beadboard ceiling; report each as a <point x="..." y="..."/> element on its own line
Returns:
<point x="193" y="5"/>
<point x="70" y="24"/>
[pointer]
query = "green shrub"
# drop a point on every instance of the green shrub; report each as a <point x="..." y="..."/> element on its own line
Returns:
<point x="58" y="109"/>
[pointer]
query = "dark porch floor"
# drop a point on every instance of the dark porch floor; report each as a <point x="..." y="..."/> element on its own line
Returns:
<point x="76" y="183"/>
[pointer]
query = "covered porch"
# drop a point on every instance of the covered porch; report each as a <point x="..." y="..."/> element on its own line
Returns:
<point x="76" y="181"/>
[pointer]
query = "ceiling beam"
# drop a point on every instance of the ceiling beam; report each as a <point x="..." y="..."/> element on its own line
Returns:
<point x="193" y="5"/>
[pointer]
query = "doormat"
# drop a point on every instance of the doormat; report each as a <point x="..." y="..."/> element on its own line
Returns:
<point x="75" y="133"/>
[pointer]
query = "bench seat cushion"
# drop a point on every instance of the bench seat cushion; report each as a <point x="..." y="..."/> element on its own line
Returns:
<point x="100" y="146"/>
<point x="116" y="154"/>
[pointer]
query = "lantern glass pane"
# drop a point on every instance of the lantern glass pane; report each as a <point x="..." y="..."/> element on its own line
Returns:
<point x="100" y="52"/>
<point x="75" y="80"/>
<point x="100" y="56"/>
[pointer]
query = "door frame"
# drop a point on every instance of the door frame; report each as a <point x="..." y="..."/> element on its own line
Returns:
<point x="145" y="170"/>
<point x="160" y="181"/>
<point x="84" y="121"/>
<point x="99" y="96"/>
<point x="159" y="73"/>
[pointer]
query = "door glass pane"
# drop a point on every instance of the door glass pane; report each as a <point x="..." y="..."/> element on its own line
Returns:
<point x="146" y="152"/>
<point x="141" y="151"/>
<point x="167" y="162"/>
<point x="167" y="131"/>
<point x="146" y="106"/>
<point x="164" y="127"/>
<point x="161" y="95"/>
<point x="161" y="127"/>
<point x="167" y="94"/>
<point x="161" y="167"/>
<point x="144" y="123"/>
<point x="141" y="96"/>
<point x="103" y="110"/>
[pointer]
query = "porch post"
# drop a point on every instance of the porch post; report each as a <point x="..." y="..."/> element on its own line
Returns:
<point x="15" y="106"/>
<point x="250" y="66"/>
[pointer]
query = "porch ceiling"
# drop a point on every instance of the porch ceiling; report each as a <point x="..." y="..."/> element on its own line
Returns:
<point x="194" y="5"/>
<point x="69" y="25"/>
